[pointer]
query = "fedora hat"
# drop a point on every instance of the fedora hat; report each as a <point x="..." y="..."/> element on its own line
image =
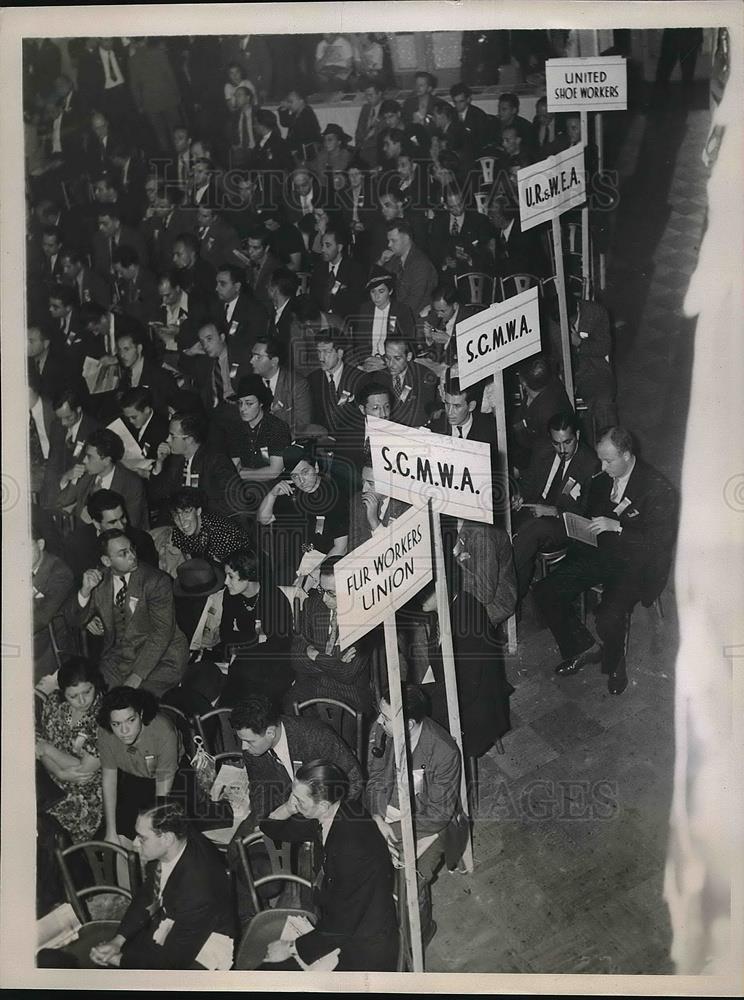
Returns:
<point x="198" y="578"/>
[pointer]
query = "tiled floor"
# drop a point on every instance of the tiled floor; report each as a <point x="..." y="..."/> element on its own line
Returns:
<point x="570" y="840"/>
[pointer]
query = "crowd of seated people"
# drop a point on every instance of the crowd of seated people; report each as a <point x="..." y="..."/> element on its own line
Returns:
<point x="214" y="310"/>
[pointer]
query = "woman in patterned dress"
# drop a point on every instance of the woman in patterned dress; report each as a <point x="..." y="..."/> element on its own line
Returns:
<point x="66" y="746"/>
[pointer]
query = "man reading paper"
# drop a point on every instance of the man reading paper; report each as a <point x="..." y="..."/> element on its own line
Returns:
<point x="633" y="511"/>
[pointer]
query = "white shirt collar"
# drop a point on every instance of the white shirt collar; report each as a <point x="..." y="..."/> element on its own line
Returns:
<point x="282" y="751"/>
<point x="327" y="822"/>
<point x="281" y="308"/>
<point x="465" y="428"/>
<point x="166" y="867"/>
<point x="506" y="233"/>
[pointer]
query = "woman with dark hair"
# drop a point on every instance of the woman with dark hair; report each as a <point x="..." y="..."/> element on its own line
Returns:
<point x="258" y="657"/>
<point x="355" y="901"/>
<point x="66" y="747"/>
<point x="140" y="750"/>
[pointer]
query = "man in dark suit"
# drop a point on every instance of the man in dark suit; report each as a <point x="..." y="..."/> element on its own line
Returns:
<point x="51" y="584"/>
<point x="272" y="153"/>
<point x="218" y="239"/>
<point x="461" y="418"/>
<point x="106" y="510"/>
<point x="301" y="123"/>
<point x="283" y="286"/>
<point x="557" y="481"/>
<point x="244" y="317"/>
<point x="334" y="384"/>
<point x="543" y="395"/>
<point x="111" y="235"/>
<point x="101" y="468"/>
<point x="337" y="284"/>
<point x="106" y="82"/>
<point x="262" y="263"/>
<point x="196" y="274"/>
<point x="509" y="115"/>
<point x="291" y="393"/>
<point x="439" y="325"/>
<point x="142" y="645"/>
<point x="473" y="119"/>
<point x="41" y="421"/>
<point x="415" y="275"/>
<point x="357" y="914"/>
<point x="185" y="460"/>
<point x="161" y="231"/>
<point x="184" y="901"/>
<point x="633" y="511"/>
<point x="412" y="387"/>
<point x="321" y="669"/>
<point x="71" y="430"/>
<point x="275" y="746"/>
<point x="135" y="288"/>
<point x="215" y="370"/>
<point x="145" y="415"/>
<point x="458" y="241"/>
<point x="48" y="363"/>
<point x="89" y="286"/>
<point x="515" y="252"/>
<point x="139" y="372"/>
<point x="370" y="123"/>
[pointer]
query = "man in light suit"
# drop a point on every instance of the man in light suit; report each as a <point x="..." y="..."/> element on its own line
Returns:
<point x="183" y="902"/>
<point x="435" y="766"/>
<point x="415" y="275"/>
<point x="370" y="123"/>
<point x="101" y="469"/>
<point x="132" y="605"/>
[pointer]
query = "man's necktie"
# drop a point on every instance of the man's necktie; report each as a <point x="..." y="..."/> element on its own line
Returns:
<point x="397" y="386"/>
<point x="157" y="879"/>
<point x="333" y="633"/>
<point x="332" y="387"/>
<point x="459" y="432"/>
<point x="454" y="226"/>
<point x="219" y="385"/>
<point x="267" y="383"/>
<point x="122" y="595"/>
<point x="125" y="378"/>
<point x="37" y="452"/>
<point x="275" y="757"/>
<point x="615" y="494"/>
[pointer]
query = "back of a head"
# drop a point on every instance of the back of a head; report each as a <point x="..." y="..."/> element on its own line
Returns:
<point x="326" y="780"/>
<point x="168" y="817"/>
<point x="256" y="713"/>
<point x="536" y="373"/>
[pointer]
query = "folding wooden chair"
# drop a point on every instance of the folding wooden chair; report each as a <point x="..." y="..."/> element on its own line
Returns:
<point x="332" y="712"/>
<point x="479" y="287"/>
<point x="102" y="860"/>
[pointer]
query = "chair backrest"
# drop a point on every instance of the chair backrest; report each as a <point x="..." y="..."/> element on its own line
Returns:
<point x="303" y="278"/>
<point x="487" y="164"/>
<point x="479" y="287"/>
<point x="280" y="859"/>
<point x="332" y="712"/>
<point x="266" y="926"/>
<point x="513" y="284"/>
<point x="182" y="724"/>
<point x="573" y="238"/>
<point x="102" y="860"/>
<point x="216" y="732"/>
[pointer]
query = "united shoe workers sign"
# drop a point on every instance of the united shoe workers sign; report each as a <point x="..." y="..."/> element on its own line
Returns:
<point x="502" y="335"/>
<point x="598" y="83"/>
<point x="383" y="574"/>
<point x="551" y="186"/>
<point x="416" y="465"/>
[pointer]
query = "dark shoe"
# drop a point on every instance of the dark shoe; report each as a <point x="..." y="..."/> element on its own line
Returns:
<point x="573" y="665"/>
<point x="617" y="682"/>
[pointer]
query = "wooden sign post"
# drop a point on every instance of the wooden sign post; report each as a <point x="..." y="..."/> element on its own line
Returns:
<point x="487" y="343"/>
<point x="596" y="83"/>
<point x="547" y="189"/>
<point x="454" y="474"/>
<point x="372" y="582"/>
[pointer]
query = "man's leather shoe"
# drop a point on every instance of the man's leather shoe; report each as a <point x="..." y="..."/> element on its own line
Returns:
<point x="617" y="682"/>
<point x="572" y="666"/>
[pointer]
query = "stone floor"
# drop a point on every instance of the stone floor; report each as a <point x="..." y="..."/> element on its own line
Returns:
<point x="570" y="835"/>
